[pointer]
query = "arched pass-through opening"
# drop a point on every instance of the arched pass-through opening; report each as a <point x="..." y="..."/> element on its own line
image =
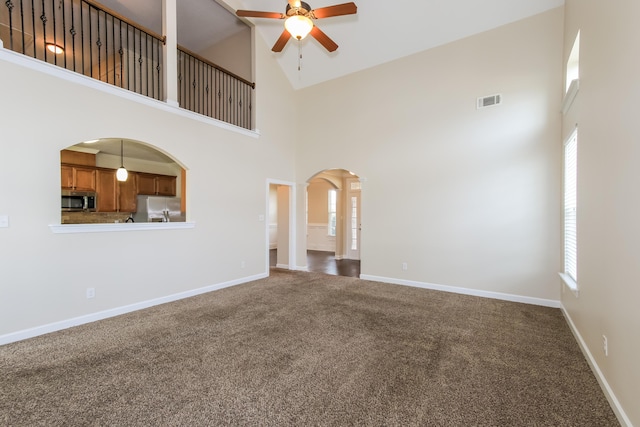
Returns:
<point x="333" y="218"/>
<point x="95" y="189"/>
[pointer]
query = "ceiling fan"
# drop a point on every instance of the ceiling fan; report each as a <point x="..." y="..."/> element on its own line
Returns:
<point x="298" y="22"/>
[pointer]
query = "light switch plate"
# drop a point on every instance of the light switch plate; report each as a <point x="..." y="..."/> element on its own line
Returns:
<point x="4" y="221"/>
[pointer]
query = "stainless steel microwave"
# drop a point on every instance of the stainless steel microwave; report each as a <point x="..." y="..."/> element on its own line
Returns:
<point x="78" y="200"/>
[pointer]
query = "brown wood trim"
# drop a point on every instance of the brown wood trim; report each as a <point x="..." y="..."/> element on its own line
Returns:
<point x="217" y="67"/>
<point x="124" y="19"/>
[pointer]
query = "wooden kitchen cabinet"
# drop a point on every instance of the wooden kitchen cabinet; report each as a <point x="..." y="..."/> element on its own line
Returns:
<point x="146" y="183"/>
<point x="66" y="176"/>
<point x="127" y="194"/>
<point x="107" y="190"/>
<point x="165" y="185"/>
<point x="114" y="195"/>
<point x="153" y="184"/>
<point x="77" y="158"/>
<point x="78" y="178"/>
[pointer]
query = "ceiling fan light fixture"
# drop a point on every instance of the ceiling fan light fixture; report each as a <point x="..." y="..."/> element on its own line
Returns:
<point x="298" y="26"/>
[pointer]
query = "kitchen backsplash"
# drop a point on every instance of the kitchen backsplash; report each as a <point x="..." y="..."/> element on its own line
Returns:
<point x="93" y="217"/>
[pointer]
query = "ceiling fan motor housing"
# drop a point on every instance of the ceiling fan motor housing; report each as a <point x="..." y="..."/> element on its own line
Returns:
<point x="304" y="9"/>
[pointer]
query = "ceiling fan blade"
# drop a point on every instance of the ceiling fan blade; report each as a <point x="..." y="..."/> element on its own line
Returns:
<point x="337" y="10"/>
<point x="324" y="39"/>
<point x="282" y="41"/>
<point x="257" y="14"/>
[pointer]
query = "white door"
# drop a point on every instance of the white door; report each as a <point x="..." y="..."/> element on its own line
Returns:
<point x="353" y="219"/>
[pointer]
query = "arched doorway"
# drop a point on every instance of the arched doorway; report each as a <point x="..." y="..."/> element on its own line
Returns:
<point x="333" y="222"/>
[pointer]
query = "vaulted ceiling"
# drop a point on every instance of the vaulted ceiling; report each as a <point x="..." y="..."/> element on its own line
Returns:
<point x="380" y="32"/>
<point x="383" y="31"/>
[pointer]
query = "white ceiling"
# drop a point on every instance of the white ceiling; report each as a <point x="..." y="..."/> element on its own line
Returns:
<point x="201" y="23"/>
<point x="130" y="150"/>
<point x="380" y="32"/>
<point x="383" y="31"/>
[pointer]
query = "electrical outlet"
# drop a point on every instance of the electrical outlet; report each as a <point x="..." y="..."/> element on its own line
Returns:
<point x="243" y="264"/>
<point x="91" y="293"/>
<point x="405" y="266"/>
<point x="605" y="345"/>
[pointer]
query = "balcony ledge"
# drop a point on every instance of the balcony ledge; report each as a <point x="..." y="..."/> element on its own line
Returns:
<point x="64" y="74"/>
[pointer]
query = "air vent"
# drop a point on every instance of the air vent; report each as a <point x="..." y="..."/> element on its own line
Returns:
<point x="489" y="101"/>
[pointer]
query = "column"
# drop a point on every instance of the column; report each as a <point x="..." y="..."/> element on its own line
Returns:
<point x="170" y="54"/>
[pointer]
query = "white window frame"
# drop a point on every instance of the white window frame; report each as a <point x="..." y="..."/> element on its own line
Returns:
<point x="570" y="192"/>
<point x="332" y="218"/>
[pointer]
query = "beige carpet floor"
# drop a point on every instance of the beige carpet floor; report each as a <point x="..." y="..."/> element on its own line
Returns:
<point x="306" y="349"/>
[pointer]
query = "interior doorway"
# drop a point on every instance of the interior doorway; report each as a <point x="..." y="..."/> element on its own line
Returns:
<point x="280" y="225"/>
<point x="333" y="218"/>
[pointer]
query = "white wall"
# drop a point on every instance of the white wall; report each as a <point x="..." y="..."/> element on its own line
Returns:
<point x="467" y="198"/>
<point x="44" y="276"/>
<point x="233" y="53"/>
<point x="606" y="112"/>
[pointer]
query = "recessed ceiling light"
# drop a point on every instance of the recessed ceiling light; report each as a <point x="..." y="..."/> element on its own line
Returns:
<point x="55" y="48"/>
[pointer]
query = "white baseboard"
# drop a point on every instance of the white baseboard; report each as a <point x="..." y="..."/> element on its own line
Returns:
<point x="81" y="320"/>
<point x="295" y="268"/>
<point x="465" y="291"/>
<point x="323" y="247"/>
<point x="604" y="385"/>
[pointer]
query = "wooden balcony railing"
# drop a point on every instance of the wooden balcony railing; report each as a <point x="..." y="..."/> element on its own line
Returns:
<point x="85" y="37"/>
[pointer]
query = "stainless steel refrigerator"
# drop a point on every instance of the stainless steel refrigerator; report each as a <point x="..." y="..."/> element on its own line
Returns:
<point x="158" y="209"/>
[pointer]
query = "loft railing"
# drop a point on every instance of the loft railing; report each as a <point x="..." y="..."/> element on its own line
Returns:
<point x="85" y="37"/>
<point x="207" y="89"/>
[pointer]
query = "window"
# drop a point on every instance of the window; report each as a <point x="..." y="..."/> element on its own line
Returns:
<point x="572" y="82"/>
<point x="570" y="275"/>
<point x="332" y="213"/>
<point x="573" y="63"/>
<point x="354" y="222"/>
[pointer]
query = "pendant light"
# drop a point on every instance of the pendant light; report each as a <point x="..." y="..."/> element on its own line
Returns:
<point x="122" y="173"/>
